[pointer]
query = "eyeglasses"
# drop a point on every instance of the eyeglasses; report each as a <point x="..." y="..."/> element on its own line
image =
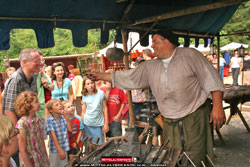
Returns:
<point x="16" y="132"/>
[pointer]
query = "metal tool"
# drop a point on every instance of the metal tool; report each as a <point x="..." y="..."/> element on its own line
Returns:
<point x="115" y="138"/>
<point x="182" y="162"/>
<point x="143" y="134"/>
<point x="77" y="147"/>
<point x="203" y="164"/>
<point x="189" y="158"/>
<point x="162" y="156"/>
<point x="95" y="144"/>
<point x="210" y="160"/>
<point x="155" y="137"/>
<point x="157" y="154"/>
<point x="149" y="143"/>
<point x="86" y="149"/>
<point x="170" y="156"/>
<point x="90" y="144"/>
<point x="100" y="149"/>
<point x="148" y="147"/>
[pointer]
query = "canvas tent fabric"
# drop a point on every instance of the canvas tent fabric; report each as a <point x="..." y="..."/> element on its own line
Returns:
<point x="133" y="37"/>
<point x="81" y="15"/>
<point x="233" y="46"/>
<point x="200" y="48"/>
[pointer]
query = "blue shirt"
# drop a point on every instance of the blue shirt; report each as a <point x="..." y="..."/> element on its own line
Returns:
<point x="60" y="129"/>
<point x="94" y="114"/>
<point x="63" y="91"/>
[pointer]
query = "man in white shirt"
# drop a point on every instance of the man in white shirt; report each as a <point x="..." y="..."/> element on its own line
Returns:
<point x="181" y="80"/>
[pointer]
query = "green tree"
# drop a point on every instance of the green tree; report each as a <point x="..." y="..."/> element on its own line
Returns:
<point x="240" y="22"/>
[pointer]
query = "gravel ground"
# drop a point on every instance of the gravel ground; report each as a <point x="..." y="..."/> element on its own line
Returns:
<point x="236" y="152"/>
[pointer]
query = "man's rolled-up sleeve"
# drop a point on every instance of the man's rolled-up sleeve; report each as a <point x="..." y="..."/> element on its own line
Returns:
<point x="131" y="79"/>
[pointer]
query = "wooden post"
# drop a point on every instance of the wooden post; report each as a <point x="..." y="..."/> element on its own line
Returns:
<point x="218" y="53"/>
<point x="125" y="49"/>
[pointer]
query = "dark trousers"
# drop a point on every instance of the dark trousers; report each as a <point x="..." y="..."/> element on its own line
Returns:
<point x="115" y="129"/>
<point x="235" y="74"/>
<point x="193" y="134"/>
<point x="72" y="151"/>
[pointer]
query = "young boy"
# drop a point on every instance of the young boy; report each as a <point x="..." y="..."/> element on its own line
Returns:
<point x="116" y="99"/>
<point x="77" y="127"/>
<point x="57" y="126"/>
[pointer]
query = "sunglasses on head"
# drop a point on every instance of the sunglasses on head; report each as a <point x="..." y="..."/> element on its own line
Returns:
<point x="58" y="64"/>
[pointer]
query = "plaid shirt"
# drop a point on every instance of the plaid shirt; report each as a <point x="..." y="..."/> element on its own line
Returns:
<point x="60" y="129"/>
<point x="16" y="84"/>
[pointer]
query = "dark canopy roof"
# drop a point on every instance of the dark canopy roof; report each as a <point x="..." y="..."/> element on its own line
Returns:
<point x="188" y="18"/>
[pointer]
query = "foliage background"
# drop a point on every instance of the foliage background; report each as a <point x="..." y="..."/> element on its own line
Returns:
<point x="25" y="38"/>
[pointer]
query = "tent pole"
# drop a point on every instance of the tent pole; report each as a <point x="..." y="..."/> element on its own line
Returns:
<point x="242" y="74"/>
<point x="125" y="48"/>
<point x="218" y="53"/>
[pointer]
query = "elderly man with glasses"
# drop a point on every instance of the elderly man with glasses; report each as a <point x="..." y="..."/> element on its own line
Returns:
<point x="23" y="79"/>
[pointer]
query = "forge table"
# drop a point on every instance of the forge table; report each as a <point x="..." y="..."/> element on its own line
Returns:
<point x="234" y="96"/>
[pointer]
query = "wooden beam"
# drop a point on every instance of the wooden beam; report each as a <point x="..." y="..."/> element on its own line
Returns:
<point x="128" y="8"/>
<point x="54" y="19"/>
<point x="191" y="10"/>
<point x="120" y="1"/>
<point x="175" y="32"/>
<point x="236" y="33"/>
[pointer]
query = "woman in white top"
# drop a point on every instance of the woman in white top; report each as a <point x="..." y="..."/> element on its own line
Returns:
<point x="235" y="66"/>
<point x="77" y="89"/>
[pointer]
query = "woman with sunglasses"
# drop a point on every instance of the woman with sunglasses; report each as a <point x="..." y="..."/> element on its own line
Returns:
<point x="62" y="86"/>
<point x="235" y="64"/>
<point x="8" y="141"/>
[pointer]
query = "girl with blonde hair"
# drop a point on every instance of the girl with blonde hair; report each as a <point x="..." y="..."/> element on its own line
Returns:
<point x="8" y="141"/>
<point x="32" y="150"/>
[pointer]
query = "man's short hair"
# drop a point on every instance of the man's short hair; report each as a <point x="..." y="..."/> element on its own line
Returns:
<point x="25" y="54"/>
<point x="148" y="52"/>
